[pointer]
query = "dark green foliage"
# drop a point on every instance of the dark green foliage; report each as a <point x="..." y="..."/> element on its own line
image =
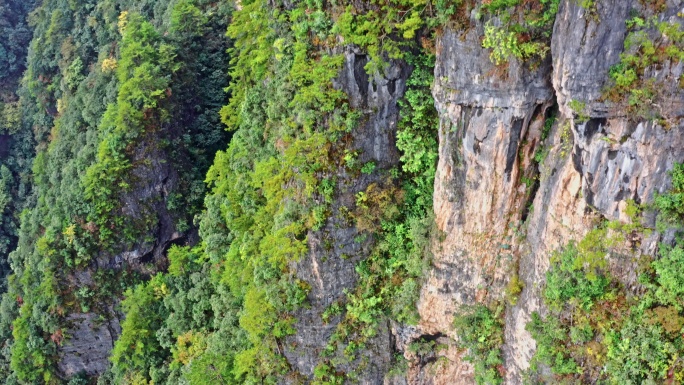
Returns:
<point x="7" y="222"/>
<point x="198" y="95"/>
<point x="16" y="143"/>
<point x="79" y="379"/>
<point x="93" y="100"/>
<point x="16" y="36"/>
<point x="416" y="137"/>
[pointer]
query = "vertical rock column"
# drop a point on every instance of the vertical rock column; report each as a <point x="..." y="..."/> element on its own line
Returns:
<point x="335" y="250"/>
<point x="491" y="121"/>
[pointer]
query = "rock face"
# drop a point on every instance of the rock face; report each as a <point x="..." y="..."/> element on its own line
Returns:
<point x="154" y="179"/>
<point x="495" y="224"/>
<point x="89" y="345"/>
<point x="584" y="46"/>
<point x="90" y="337"/>
<point x="334" y="252"/>
<point x="490" y="128"/>
<point x="501" y="212"/>
<point x="587" y="42"/>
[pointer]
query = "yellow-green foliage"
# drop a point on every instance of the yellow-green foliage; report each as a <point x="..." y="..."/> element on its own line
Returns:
<point x="401" y="222"/>
<point x="505" y="44"/>
<point x="671" y="204"/>
<point x="519" y="32"/>
<point x="599" y="331"/>
<point x="375" y="29"/>
<point x="144" y="72"/>
<point x="480" y="331"/>
<point x="138" y="342"/>
<point x="10" y="117"/>
<point x="31" y="357"/>
<point x="269" y="175"/>
<point x="376" y="205"/>
<point x="513" y="289"/>
<point x="650" y="42"/>
<point x="249" y="28"/>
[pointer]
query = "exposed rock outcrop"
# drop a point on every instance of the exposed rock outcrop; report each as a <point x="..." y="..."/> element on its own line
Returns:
<point x="490" y="127"/>
<point x="496" y="223"/>
<point x="334" y="251"/>
<point x="90" y="336"/>
<point x="586" y="42"/>
<point x="88" y="344"/>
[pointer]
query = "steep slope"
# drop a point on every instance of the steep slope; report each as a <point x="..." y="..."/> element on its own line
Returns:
<point x="15" y="142"/>
<point x="307" y="198"/>
<point x="120" y="126"/>
<point x="330" y="270"/>
<point x="513" y="186"/>
<point x="402" y="192"/>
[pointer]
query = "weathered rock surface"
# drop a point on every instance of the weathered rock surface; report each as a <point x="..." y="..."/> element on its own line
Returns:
<point x="587" y="42"/>
<point x="333" y="251"/>
<point x="90" y="337"/>
<point x="88" y="344"/>
<point x="584" y="46"/>
<point x="490" y="127"/>
<point x="495" y="225"/>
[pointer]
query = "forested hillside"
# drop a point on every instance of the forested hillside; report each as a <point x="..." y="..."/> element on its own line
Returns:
<point x="321" y="192"/>
<point x="116" y="125"/>
<point x="16" y="143"/>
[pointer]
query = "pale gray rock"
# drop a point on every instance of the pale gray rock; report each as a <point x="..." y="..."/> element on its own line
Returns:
<point x="88" y="343"/>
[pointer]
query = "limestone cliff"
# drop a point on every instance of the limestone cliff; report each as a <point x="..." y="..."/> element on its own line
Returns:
<point x="333" y="251"/>
<point x="323" y="253"/>
<point x="498" y="226"/>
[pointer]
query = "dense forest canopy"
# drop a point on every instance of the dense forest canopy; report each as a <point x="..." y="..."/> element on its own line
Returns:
<point x="167" y="167"/>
